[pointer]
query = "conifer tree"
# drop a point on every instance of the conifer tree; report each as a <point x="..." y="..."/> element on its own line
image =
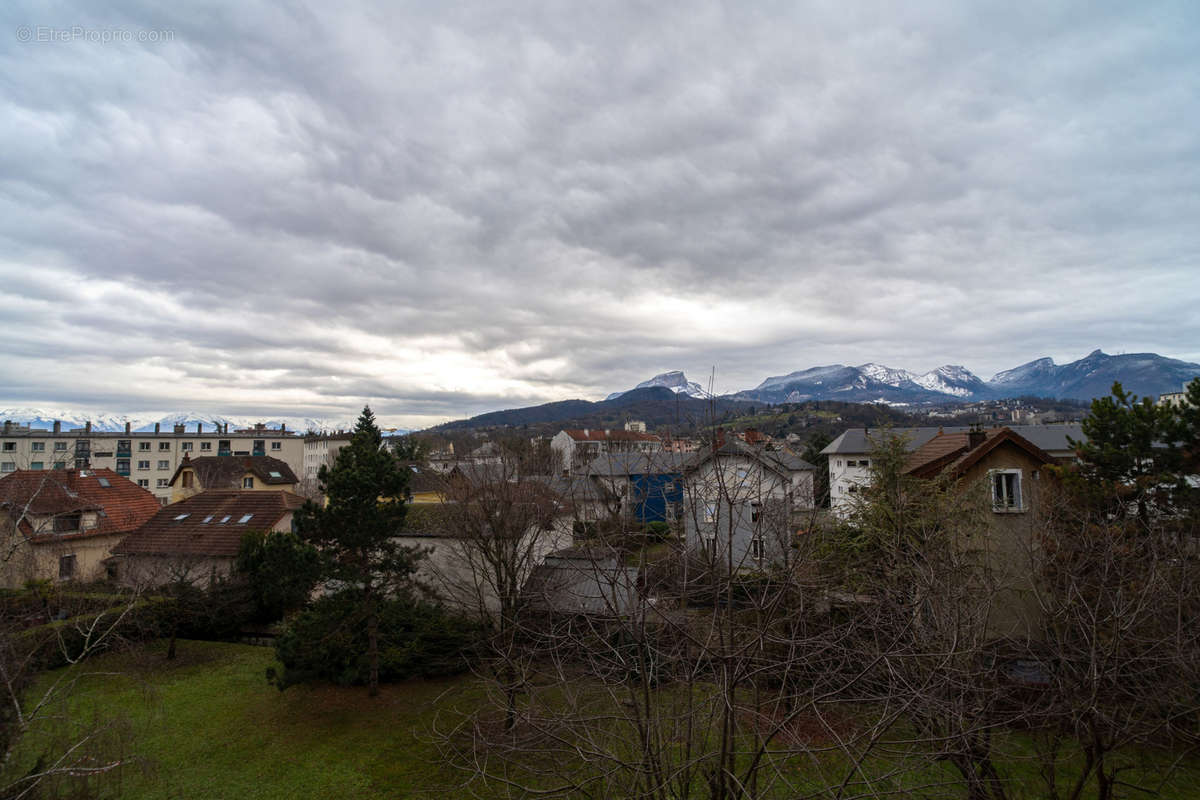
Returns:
<point x="354" y="531"/>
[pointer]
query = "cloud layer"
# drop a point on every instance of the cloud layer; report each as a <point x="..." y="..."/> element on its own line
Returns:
<point x="297" y="209"/>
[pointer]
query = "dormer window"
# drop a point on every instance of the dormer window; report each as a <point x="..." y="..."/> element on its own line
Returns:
<point x="247" y="482"/>
<point x="187" y="478"/>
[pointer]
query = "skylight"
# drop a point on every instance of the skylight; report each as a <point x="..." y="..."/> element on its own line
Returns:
<point x="181" y="517"/>
<point x="103" y="482"/>
<point x="207" y="519"/>
<point x="275" y="474"/>
<point x="225" y="519"/>
<point x="245" y="518"/>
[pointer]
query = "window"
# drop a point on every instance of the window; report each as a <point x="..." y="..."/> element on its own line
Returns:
<point x="38" y="447"/>
<point x="755" y="512"/>
<point x="206" y="445"/>
<point x="222" y="444"/>
<point x="164" y="463"/>
<point x="185" y="446"/>
<point x="66" y="566"/>
<point x="163" y="483"/>
<point x="224" y="519"/>
<point x="277" y="474"/>
<point x="59" y="446"/>
<point x="260" y="444"/>
<point x="37" y="465"/>
<point x="164" y="446"/>
<point x="1006" y="490"/>
<point x="10" y="447"/>
<point x="104" y="484"/>
<point x="207" y="519"/>
<point x="756" y="548"/>
<point x="67" y="523"/>
<point x="123" y="465"/>
<point x="247" y="482"/>
<point x="144" y="465"/>
<point x="710" y="546"/>
<point x="710" y="512"/>
<point x="60" y="465"/>
<point x="839" y="462"/>
<point x="276" y="445"/>
<point x="245" y="518"/>
<point x="8" y="466"/>
<point x="144" y="483"/>
<point x="143" y="445"/>
<point x="181" y="517"/>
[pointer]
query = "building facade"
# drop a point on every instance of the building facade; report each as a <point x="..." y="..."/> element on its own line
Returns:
<point x="148" y="458"/>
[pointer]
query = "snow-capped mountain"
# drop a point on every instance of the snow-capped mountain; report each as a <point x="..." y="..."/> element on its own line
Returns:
<point x="952" y="379"/>
<point x="70" y="419"/>
<point x="674" y="380"/>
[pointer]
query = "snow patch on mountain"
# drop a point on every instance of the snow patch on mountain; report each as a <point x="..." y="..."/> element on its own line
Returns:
<point x="674" y="380"/>
<point x="886" y="375"/>
<point x="70" y="419"/>
<point x="951" y="379"/>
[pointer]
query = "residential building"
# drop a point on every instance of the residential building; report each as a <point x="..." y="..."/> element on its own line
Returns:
<point x="850" y="453"/>
<point x="197" y="539"/>
<point x="253" y="473"/>
<point x="149" y="458"/>
<point x="745" y="503"/>
<point x="320" y="450"/>
<point x="1013" y="470"/>
<point x="646" y="487"/>
<point x="62" y="524"/>
<point x="575" y="449"/>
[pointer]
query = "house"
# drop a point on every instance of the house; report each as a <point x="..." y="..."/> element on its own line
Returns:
<point x="149" y="458"/>
<point x="850" y="453"/>
<point x="61" y="524"/>
<point x="746" y="502"/>
<point x="1013" y="469"/>
<point x="575" y="449"/>
<point x="198" y="538"/>
<point x="589" y="581"/>
<point x="253" y="473"/>
<point x="646" y="487"/>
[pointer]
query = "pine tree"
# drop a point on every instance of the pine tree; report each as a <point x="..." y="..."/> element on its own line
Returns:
<point x="354" y="531"/>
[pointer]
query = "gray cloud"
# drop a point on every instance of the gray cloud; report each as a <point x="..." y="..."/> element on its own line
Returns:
<point x="450" y="210"/>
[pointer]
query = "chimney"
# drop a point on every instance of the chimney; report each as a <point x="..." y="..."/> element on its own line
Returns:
<point x="57" y="426"/>
<point x="87" y="426"/>
<point x="282" y="427"/>
<point x="128" y="425"/>
<point x="199" y="427"/>
<point x="157" y="427"/>
<point x="179" y="428"/>
<point x="975" y="437"/>
<point x="7" y="425"/>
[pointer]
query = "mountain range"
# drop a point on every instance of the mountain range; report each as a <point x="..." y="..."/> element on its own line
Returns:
<point x="1089" y="377"/>
<point x="45" y="418"/>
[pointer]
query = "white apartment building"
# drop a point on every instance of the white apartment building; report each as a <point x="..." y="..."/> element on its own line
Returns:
<point x="850" y="454"/>
<point x="148" y="458"/>
<point x="320" y="450"/>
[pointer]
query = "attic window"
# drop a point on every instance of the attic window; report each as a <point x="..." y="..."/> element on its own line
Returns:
<point x="225" y="519"/>
<point x="275" y="474"/>
<point x="181" y="517"/>
<point x="104" y="484"/>
<point x="207" y="519"/>
<point x="245" y="518"/>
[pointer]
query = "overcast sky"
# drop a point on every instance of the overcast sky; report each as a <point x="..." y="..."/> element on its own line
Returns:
<point x="445" y="210"/>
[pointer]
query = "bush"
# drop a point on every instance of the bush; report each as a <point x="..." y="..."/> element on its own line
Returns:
<point x="328" y="641"/>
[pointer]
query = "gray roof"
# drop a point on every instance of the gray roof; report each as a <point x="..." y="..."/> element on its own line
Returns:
<point x="620" y="464"/>
<point x="1051" y="438"/>
<point x="780" y="459"/>
<point x="572" y="489"/>
<point x="579" y="581"/>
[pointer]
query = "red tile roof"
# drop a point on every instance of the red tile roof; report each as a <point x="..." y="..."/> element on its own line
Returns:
<point x="121" y="506"/>
<point x="952" y="452"/>
<point x="211" y="523"/>
<point x="226" y="472"/>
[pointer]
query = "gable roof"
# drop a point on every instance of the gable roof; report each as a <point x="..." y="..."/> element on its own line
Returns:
<point x="226" y="472"/>
<point x="121" y="504"/>
<point x="952" y="452"/>
<point x="211" y="523"/>
<point x="853" y="441"/>
<point x="622" y="464"/>
<point x="779" y="459"/>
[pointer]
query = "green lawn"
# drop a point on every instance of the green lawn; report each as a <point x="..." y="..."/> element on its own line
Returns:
<point x="208" y="725"/>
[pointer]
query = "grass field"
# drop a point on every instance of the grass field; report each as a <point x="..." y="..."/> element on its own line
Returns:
<point x="208" y="725"/>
